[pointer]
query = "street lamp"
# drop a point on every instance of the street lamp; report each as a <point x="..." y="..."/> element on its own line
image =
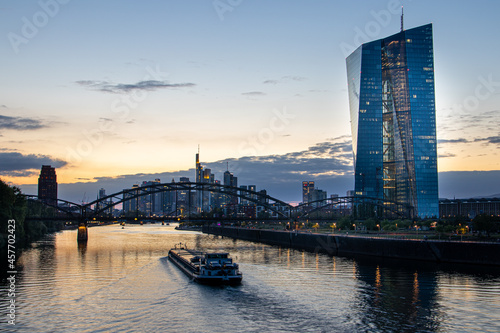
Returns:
<point x="378" y="226"/>
<point x="354" y="228"/>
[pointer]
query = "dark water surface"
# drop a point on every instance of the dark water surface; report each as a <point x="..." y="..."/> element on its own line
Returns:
<point x="121" y="281"/>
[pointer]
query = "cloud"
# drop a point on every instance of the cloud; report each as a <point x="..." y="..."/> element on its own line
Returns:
<point x="285" y="79"/>
<point x="294" y="78"/>
<point x="468" y="184"/>
<point x="3" y="106"/>
<point x="461" y="140"/>
<point x="318" y="90"/>
<point x="254" y="93"/>
<point x="21" y="173"/>
<point x="445" y="155"/>
<point x="121" y="88"/>
<point x="20" y="124"/>
<point x="491" y="139"/>
<point x="328" y="164"/>
<point x="14" y="163"/>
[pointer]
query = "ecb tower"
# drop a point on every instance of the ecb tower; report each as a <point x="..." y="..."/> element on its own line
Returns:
<point x="393" y="120"/>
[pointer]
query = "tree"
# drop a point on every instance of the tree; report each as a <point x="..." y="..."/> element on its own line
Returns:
<point x="371" y="223"/>
<point x="485" y="223"/>
<point x="344" y="222"/>
<point x="12" y="207"/>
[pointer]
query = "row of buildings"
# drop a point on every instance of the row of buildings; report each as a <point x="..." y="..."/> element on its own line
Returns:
<point x="227" y="200"/>
<point x="174" y="203"/>
<point x="315" y="197"/>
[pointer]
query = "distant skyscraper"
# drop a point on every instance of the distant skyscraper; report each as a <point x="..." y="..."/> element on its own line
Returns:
<point x="253" y="188"/>
<point x="231" y="180"/>
<point x="315" y="195"/>
<point x="307" y="188"/>
<point x="199" y="168"/>
<point x="393" y="120"/>
<point x="208" y="176"/>
<point x="47" y="185"/>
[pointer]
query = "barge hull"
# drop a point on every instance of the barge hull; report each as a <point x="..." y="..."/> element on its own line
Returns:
<point x="192" y="271"/>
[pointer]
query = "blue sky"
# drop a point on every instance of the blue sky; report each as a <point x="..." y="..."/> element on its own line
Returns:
<point x="105" y="89"/>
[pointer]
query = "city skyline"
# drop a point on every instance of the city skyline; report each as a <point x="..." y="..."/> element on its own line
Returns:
<point x="137" y="90"/>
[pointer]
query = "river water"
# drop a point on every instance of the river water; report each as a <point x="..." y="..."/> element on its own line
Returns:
<point x="121" y="281"/>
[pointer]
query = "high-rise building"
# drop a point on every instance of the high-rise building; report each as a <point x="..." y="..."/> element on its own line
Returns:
<point x="244" y="193"/>
<point x="393" y="120"/>
<point x="47" y="185"/>
<point x="199" y="168"/>
<point x="130" y="200"/>
<point x="109" y="202"/>
<point x="307" y="188"/>
<point x="315" y="196"/>
<point x="253" y="188"/>
<point x="231" y="180"/>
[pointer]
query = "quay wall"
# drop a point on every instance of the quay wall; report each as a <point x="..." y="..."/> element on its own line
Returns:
<point x="343" y="245"/>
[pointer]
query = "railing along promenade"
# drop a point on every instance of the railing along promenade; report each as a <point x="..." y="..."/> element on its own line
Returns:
<point x="435" y="250"/>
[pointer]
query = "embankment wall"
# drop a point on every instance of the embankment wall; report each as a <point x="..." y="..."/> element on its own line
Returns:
<point x="343" y="245"/>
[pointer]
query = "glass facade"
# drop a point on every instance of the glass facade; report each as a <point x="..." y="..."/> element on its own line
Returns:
<point x="393" y="120"/>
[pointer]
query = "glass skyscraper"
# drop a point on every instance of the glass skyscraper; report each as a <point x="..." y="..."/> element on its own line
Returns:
<point x="393" y="120"/>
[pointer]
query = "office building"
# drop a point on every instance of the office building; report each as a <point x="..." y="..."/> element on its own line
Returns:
<point x="393" y="120"/>
<point x="47" y="185"/>
<point x="307" y="188"/>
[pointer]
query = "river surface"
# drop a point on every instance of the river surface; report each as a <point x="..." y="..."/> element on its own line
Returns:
<point x="121" y="281"/>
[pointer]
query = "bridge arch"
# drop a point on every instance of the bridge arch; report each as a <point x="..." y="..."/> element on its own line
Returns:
<point x="267" y="201"/>
<point x="387" y="207"/>
<point x="67" y="207"/>
<point x="95" y="208"/>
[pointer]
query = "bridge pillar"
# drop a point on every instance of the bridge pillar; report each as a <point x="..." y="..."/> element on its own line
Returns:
<point x="83" y="232"/>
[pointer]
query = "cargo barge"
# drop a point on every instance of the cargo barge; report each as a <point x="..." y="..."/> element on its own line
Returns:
<point x="206" y="268"/>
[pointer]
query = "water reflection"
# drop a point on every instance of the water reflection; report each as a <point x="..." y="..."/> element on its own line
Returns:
<point x="120" y="280"/>
<point x="82" y="249"/>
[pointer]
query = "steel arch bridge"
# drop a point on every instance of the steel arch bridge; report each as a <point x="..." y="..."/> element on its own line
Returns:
<point x="94" y="209"/>
<point x="349" y="205"/>
<point x="358" y="205"/>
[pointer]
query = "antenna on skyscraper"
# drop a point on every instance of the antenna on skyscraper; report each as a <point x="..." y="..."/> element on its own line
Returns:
<point x="402" y="16"/>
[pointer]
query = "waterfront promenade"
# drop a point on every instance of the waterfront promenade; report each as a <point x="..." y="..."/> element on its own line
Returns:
<point x="440" y="251"/>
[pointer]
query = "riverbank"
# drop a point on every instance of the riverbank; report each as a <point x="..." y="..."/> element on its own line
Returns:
<point x="476" y="253"/>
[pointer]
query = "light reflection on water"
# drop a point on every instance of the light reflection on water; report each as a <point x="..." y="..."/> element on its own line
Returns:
<point x="121" y="281"/>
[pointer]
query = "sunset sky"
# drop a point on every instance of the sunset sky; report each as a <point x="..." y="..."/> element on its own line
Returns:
<point x="104" y="89"/>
